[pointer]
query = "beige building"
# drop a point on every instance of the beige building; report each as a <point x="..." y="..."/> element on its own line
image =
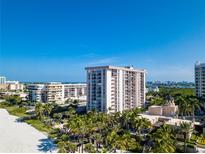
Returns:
<point x="169" y="109"/>
<point x="54" y="92"/>
<point x="113" y="89"/>
<point x="4" y="87"/>
<point x="15" y="86"/>
<point x="155" y="110"/>
<point x="12" y="86"/>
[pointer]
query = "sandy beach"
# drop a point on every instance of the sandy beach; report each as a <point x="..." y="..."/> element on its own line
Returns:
<point x="19" y="137"/>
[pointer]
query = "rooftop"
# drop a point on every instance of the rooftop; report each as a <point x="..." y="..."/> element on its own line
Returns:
<point x="169" y="120"/>
<point x="126" y="68"/>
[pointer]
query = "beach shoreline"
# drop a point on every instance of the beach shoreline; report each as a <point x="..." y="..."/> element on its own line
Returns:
<point x="20" y="137"/>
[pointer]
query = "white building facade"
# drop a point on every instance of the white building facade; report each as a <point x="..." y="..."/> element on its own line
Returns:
<point x="36" y="92"/>
<point x="75" y="90"/>
<point x="200" y="79"/>
<point x="113" y="89"/>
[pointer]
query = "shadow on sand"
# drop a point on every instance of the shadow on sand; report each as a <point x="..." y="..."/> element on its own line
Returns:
<point x="46" y="145"/>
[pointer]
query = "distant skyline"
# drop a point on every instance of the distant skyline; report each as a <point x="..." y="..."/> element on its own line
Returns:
<point x="54" y="40"/>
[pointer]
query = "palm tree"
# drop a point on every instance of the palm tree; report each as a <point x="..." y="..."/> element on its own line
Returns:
<point x="163" y="140"/>
<point x="90" y="148"/>
<point x="141" y="123"/>
<point x="39" y="110"/>
<point x="184" y="105"/>
<point x="126" y="118"/>
<point x="97" y="137"/>
<point x="78" y="128"/>
<point x="129" y="143"/>
<point x="157" y="101"/>
<point x="62" y="147"/>
<point x="66" y="146"/>
<point x="186" y="129"/>
<point x="58" y="116"/>
<point x="195" y="104"/>
<point x="113" y="140"/>
<point x="70" y="113"/>
<point x="48" y="108"/>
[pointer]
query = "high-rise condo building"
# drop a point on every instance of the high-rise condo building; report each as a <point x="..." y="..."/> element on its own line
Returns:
<point x="2" y="80"/>
<point x="200" y="79"/>
<point x="113" y="89"/>
<point x="54" y="92"/>
<point x="36" y="92"/>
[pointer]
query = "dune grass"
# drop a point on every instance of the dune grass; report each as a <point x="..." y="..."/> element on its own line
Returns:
<point x="39" y="125"/>
<point x="21" y="112"/>
<point x="15" y="110"/>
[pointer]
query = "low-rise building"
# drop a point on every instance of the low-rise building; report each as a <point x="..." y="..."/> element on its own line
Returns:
<point x="12" y="86"/>
<point x="75" y="91"/>
<point x="169" y="109"/>
<point x="155" y="110"/>
<point x="15" y="86"/>
<point x="54" y="92"/>
<point x="4" y="87"/>
<point x="36" y="92"/>
<point x="49" y="92"/>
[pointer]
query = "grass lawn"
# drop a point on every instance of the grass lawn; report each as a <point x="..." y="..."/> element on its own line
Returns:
<point x="21" y="112"/>
<point x="14" y="110"/>
<point x="39" y="125"/>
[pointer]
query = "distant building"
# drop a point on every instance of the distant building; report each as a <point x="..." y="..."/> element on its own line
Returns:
<point x="49" y="92"/>
<point x="200" y="79"/>
<point x="2" y="80"/>
<point x="4" y="87"/>
<point x="74" y="90"/>
<point x="36" y="92"/>
<point x="54" y="92"/>
<point x="11" y="86"/>
<point x="22" y="95"/>
<point x="113" y="89"/>
<point x="15" y="85"/>
<point x="153" y="89"/>
<point x="12" y="82"/>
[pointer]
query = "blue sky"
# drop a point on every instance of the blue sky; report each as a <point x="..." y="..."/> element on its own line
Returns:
<point x="53" y="40"/>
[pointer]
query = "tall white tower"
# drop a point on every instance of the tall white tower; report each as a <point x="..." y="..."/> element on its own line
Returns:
<point x="113" y="89"/>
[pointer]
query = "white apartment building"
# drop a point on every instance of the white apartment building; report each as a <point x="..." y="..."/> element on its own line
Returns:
<point x="2" y="80"/>
<point x="113" y="89"/>
<point x="74" y="90"/>
<point x="54" y="92"/>
<point x="15" y="86"/>
<point x="200" y="79"/>
<point x="36" y="92"/>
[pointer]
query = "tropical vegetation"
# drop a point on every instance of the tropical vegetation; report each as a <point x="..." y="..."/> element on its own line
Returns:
<point x="114" y="132"/>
